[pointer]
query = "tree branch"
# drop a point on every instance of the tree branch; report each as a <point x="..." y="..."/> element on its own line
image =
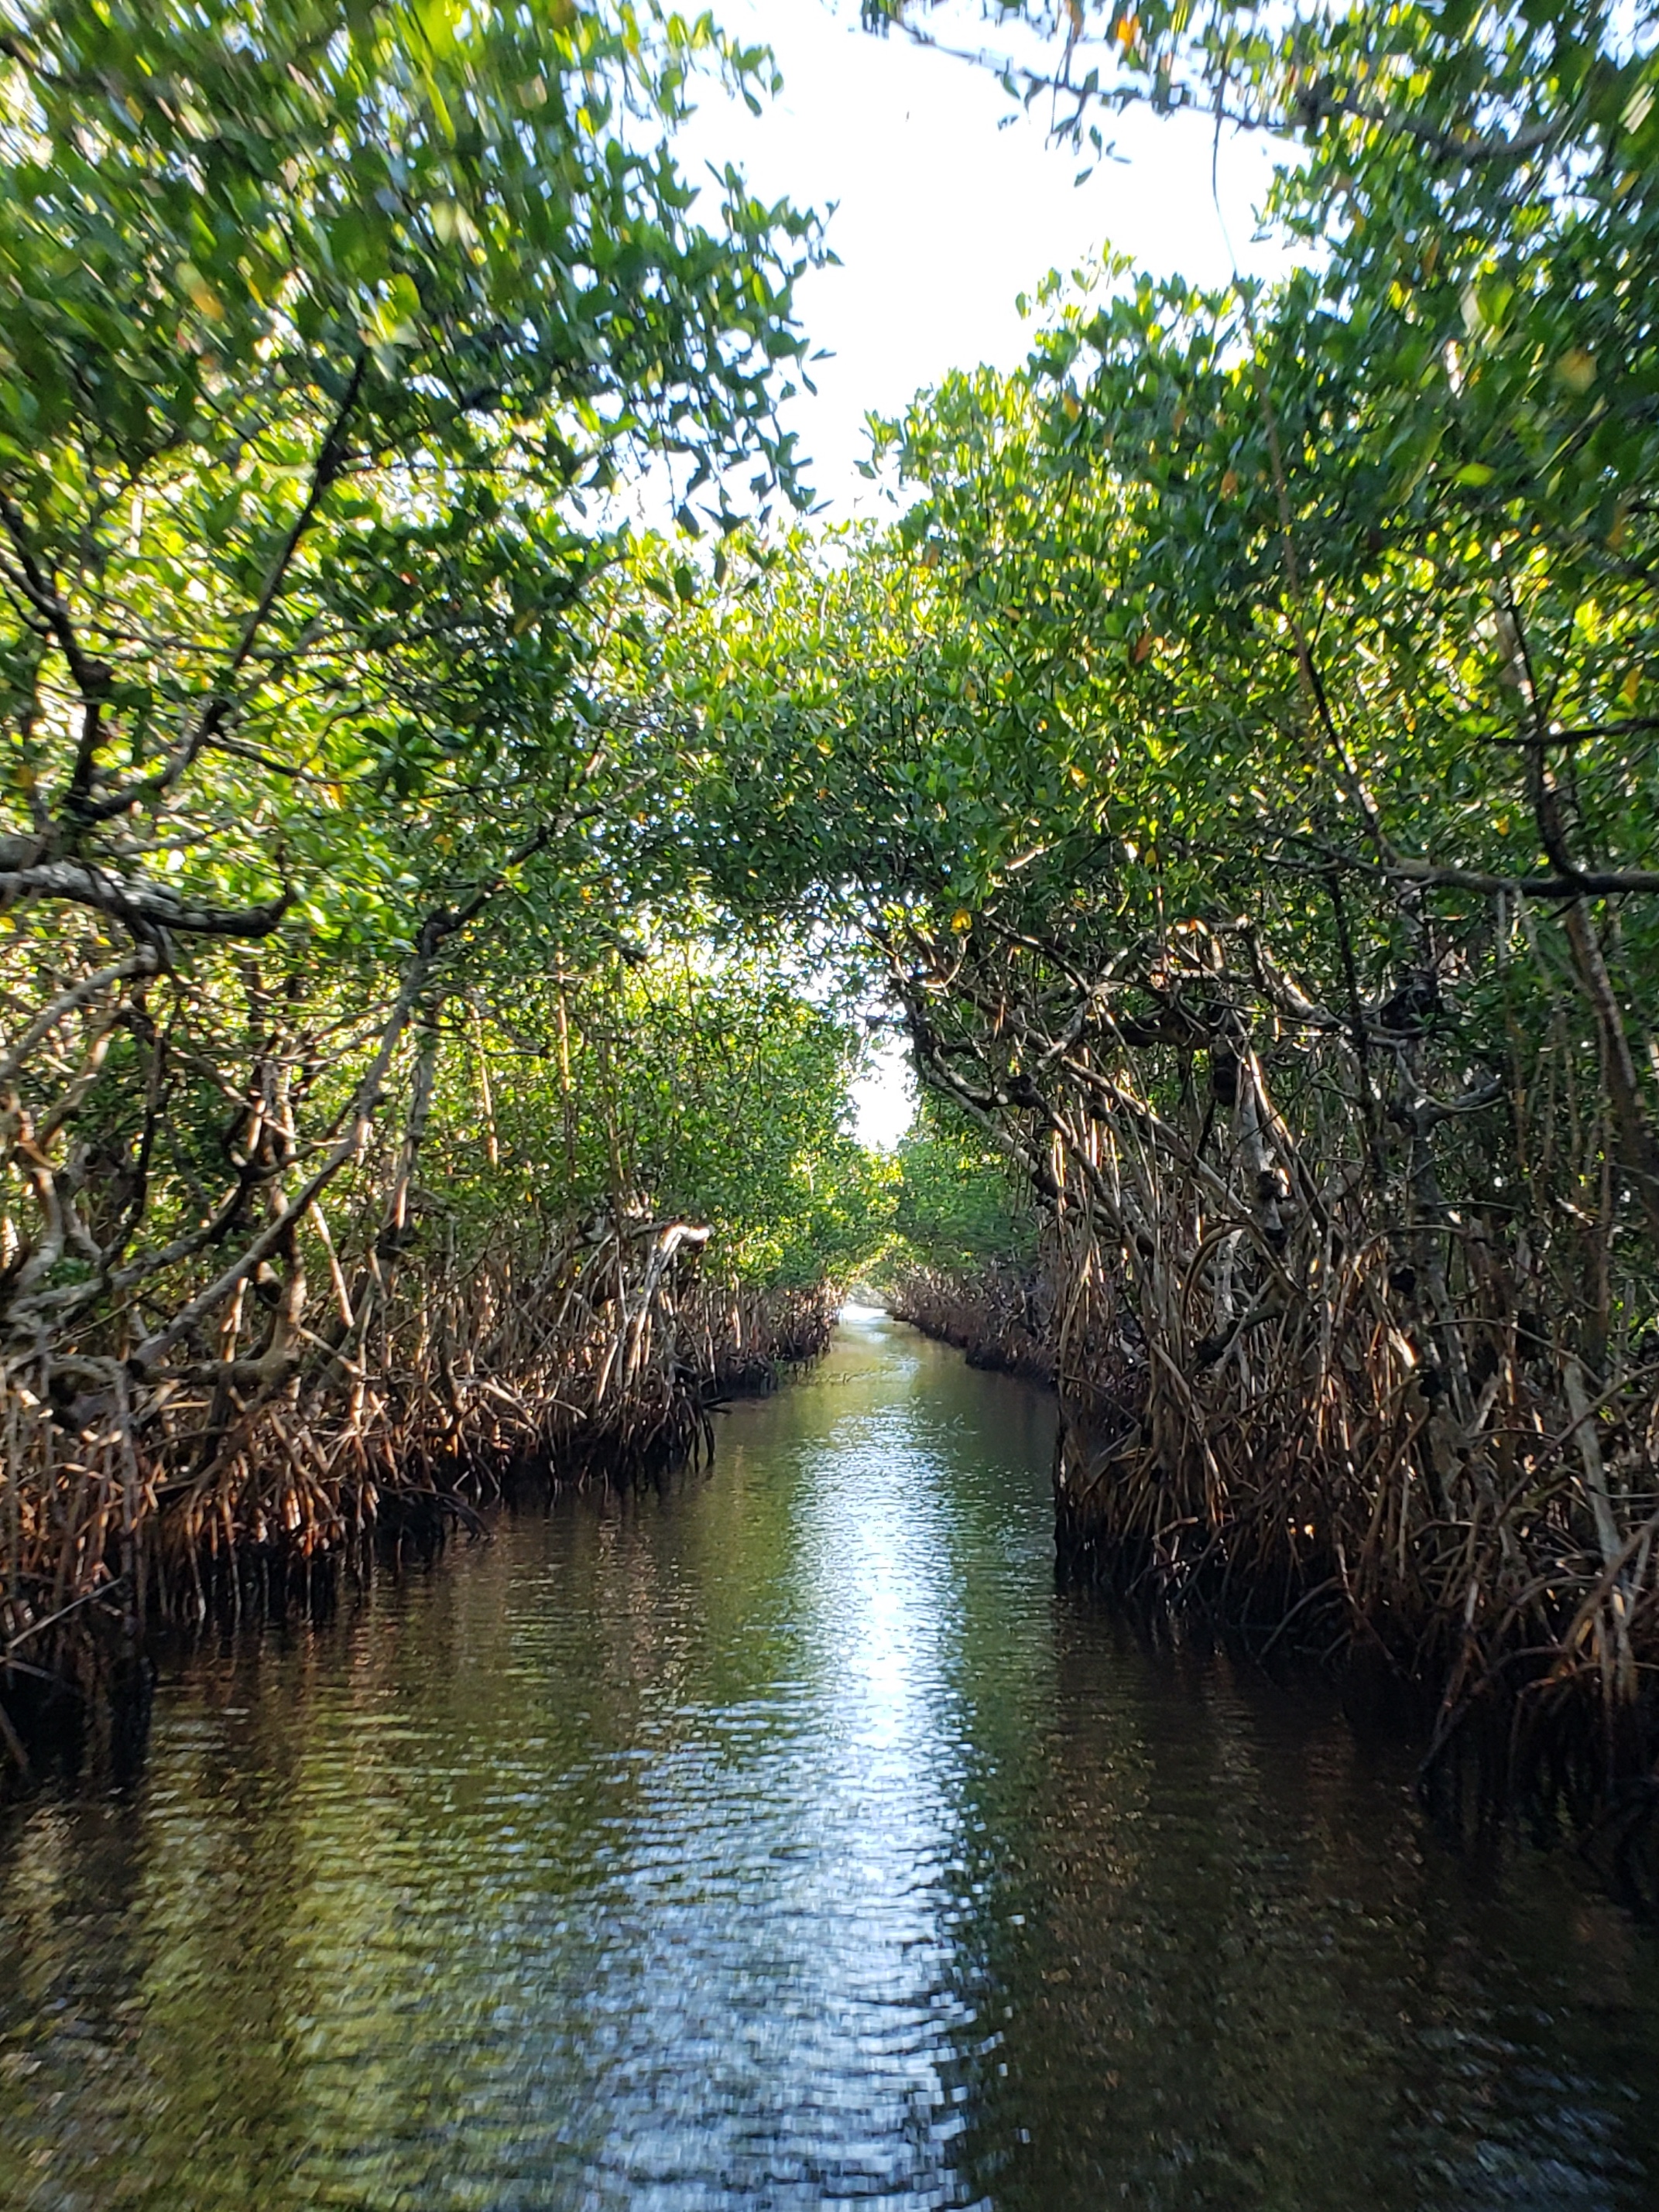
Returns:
<point x="144" y="962"/>
<point x="141" y="906"/>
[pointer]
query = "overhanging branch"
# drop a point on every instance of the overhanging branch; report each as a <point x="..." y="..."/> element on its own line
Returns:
<point x="142" y="906"/>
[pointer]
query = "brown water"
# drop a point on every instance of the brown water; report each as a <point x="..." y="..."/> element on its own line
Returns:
<point x="782" y="1839"/>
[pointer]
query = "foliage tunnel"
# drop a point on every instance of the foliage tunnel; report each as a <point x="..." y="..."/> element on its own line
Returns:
<point x="1235" y="760"/>
<point x="1241" y="748"/>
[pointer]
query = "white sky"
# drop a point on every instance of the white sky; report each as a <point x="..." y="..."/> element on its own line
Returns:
<point x="941" y="219"/>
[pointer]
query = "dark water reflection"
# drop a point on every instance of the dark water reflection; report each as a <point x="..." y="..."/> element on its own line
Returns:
<point x="783" y="1840"/>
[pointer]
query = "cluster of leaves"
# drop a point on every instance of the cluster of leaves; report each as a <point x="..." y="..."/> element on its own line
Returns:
<point x="324" y="326"/>
<point x="959" y="1206"/>
<point x="701" y="1084"/>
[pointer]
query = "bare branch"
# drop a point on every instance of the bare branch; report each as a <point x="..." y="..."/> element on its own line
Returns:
<point x="1307" y="108"/>
<point x="144" y="962"/>
<point x="1605" y="883"/>
<point x="140" y="905"/>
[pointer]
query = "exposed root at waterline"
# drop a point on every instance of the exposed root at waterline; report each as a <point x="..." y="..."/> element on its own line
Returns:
<point x="1309" y="1499"/>
<point x="224" y="1490"/>
<point x="1002" y="1316"/>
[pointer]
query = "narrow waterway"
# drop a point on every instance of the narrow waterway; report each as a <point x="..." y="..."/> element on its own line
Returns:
<point x="781" y="1838"/>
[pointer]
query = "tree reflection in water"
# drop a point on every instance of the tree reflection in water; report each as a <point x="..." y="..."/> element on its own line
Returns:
<point x="780" y="1838"/>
